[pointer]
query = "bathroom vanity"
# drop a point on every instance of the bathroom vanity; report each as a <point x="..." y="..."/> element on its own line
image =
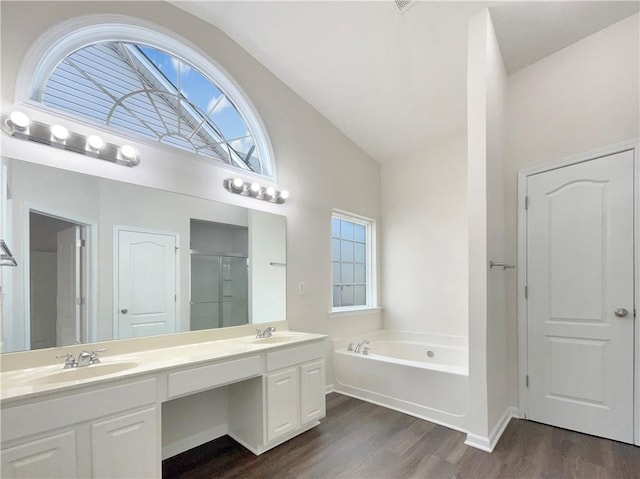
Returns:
<point x="104" y="420"/>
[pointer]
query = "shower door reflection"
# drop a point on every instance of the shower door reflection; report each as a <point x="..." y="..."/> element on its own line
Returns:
<point x="219" y="291"/>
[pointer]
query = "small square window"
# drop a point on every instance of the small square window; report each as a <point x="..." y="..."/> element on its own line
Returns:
<point x="352" y="255"/>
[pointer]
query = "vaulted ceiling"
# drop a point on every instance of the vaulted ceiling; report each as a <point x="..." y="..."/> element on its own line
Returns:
<point x="395" y="82"/>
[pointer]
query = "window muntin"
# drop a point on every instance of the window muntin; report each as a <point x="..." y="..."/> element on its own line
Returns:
<point x="351" y="262"/>
<point x="145" y="91"/>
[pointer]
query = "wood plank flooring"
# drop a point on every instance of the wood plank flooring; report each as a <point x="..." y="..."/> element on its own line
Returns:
<point x="361" y="440"/>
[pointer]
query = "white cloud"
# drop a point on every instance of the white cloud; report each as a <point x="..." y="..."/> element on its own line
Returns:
<point x="243" y="145"/>
<point x="177" y="64"/>
<point x="221" y="105"/>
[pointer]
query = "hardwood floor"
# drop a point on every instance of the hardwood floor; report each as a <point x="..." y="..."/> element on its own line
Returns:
<point x="361" y="440"/>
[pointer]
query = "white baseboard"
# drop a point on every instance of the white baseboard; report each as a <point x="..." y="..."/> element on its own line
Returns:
<point x="329" y="389"/>
<point x="451" y="421"/>
<point x="195" y="440"/>
<point x="261" y="449"/>
<point x="489" y="443"/>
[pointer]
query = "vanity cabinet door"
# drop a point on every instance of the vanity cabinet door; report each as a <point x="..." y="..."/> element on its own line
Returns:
<point x="283" y="402"/>
<point x="51" y="457"/>
<point x="127" y="445"/>
<point x="312" y="392"/>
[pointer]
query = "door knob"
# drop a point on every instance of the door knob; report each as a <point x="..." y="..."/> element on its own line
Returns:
<point x="621" y="312"/>
<point x="125" y="311"/>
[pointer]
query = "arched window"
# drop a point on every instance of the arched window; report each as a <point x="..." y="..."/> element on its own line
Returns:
<point x="138" y="89"/>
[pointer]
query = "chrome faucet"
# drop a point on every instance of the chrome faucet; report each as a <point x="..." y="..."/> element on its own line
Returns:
<point x="85" y="358"/>
<point x="266" y="333"/>
<point x="359" y="346"/>
<point x="69" y="362"/>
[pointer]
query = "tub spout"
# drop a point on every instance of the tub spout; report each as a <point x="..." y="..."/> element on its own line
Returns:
<point x="359" y="346"/>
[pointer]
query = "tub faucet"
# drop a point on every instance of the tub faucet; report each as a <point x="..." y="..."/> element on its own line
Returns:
<point x="359" y="346"/>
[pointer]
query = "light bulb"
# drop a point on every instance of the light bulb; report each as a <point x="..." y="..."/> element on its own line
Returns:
<point x="284" y="194"/>
<point x="271" y="191"/>
<point x="237" y="183"/>
<point x="255" y="187"/>
<point x="128" y="152"/>
<point x="19" y="120"/>
<point x="94" y="142"/>
<point x="59" y="132"/>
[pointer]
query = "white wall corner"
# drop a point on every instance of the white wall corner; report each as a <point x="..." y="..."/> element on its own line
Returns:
<point x="487" y="444"/>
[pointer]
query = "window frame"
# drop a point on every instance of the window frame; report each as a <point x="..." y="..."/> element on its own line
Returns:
<point x="370" y="265"/>
<point x="63" y="39"/>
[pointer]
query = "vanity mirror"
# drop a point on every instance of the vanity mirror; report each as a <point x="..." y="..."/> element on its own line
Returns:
<point x="100" y="259"/>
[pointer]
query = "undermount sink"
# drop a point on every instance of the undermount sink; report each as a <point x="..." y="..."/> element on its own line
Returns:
<point x="87" y="372"/>
<point x="275" y="339"/>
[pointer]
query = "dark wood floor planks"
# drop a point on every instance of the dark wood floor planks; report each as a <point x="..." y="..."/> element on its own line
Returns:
<point x="362" y="440"/>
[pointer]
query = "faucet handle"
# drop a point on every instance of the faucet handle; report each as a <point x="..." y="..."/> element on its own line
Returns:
<point x="350" y="347"/>
<point x="258" y="334"/>
<point x="94" y="359"/>
<point x="69" y="362"/>
<point x="365" y="351"/>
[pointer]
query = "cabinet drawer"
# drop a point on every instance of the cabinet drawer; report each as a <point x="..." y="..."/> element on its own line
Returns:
<point x="73" y="408"/>
<point x="127" y="445"/>
<point x="51" y="457"/>
<point x="293" y="356"/>
<point x="206" y="377"/>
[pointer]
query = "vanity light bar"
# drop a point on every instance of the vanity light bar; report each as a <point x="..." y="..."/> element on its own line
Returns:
<point x="18" y="125"/>
<point x="254" y="190"/>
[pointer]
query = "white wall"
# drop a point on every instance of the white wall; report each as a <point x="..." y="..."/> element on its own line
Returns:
<point x="267" y="270"/>
<point x="425" y="253"/>
<point x="477" y="198"/>
<point x="498" y="278"/>
<point x="319" y="166"/>
<point x="486" y="94"/>
<point x="581" y="98"/>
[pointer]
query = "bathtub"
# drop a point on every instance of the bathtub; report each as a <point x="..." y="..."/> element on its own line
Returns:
<point x="423" y="375"/>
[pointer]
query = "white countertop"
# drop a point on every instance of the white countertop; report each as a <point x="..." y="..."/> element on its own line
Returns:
<point x="31" y="382"/>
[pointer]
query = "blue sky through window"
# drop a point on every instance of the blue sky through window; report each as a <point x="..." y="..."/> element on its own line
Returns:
<point x="151" y="93"/>
<point x="200" y="92"/>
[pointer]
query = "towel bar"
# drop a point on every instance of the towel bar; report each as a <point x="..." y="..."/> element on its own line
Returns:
<point x="501" y="265"/>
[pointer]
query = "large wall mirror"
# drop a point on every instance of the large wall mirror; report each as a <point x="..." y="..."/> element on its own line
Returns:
<point x="100" y="259"/>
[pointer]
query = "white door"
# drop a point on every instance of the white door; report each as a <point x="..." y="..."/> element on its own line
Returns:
<point x="283" y="403"/>
<point x="146" y="283"/>
<point x="69" y="287"/>
<point x="312" y="392"/>
<point x="580" y="297"/>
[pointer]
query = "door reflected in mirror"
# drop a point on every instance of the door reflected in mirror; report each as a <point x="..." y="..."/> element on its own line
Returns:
<point x="57" y="267"/>
<point x="111" y="260"/>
